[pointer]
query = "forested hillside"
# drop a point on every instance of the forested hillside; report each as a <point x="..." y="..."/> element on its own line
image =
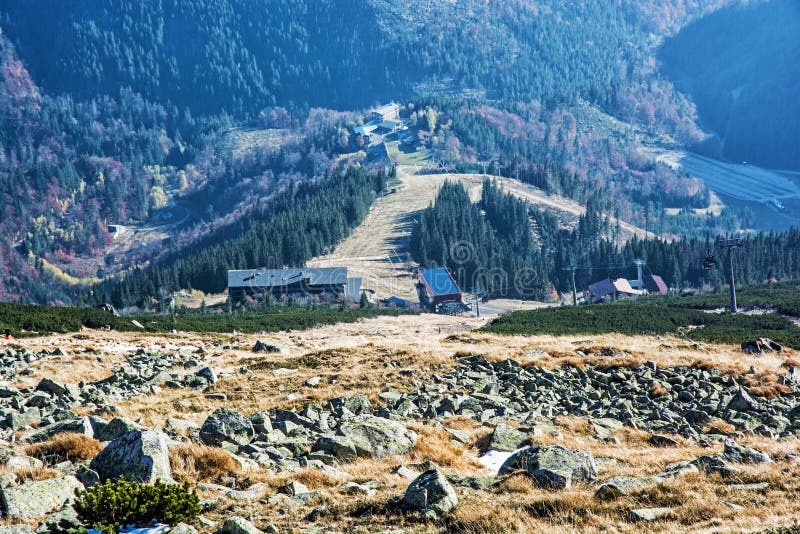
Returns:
<point x="507" y="248"/>
<point x="243" y="55"/>
<point x="299" y="225"/>
<point x="742" y="67"/>
<point x="129" y="112"/>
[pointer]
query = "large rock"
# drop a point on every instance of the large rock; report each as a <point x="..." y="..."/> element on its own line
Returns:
<point x="81" y="425"/>
<point x="648" y="514"/>
<point x="761" y="345"/>
<point x="116" y="428"/>
<point x="742" y="402"/>
<point x="431" y="494"/>
<point x="272" y="348"/>
<point x="36" y="499"/>
<point x="619" y="486"/>
<point x="238" y="525"/>
<point x="552" y="466"/>
<point x="743" y="455"/>
<point x="507" y="439"/>
<point x="375" y="437"/>
<point x="340" y="447"/>
<point x="227" y="426"/>
<point x="139" y="455"/>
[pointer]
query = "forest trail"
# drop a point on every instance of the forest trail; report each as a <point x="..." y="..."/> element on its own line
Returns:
<point x="378" y="249"/>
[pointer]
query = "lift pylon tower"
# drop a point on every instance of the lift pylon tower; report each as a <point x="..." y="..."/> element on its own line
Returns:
<point x="731" y="245"/>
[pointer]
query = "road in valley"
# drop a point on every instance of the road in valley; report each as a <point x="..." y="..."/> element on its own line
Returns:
<point x="743" y="182"/>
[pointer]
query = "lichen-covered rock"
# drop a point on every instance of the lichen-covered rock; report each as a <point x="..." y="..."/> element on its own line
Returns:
<point x="227" y="426"/>
<point x="648" y="514"/>
<point x="116" y="428"/>
<point x="744" y="455"/>
<point x="139" y="455"/>
<point x="81" y="425"/>
<point x="376" y="437"/>
<point x="16" y="529"/>
<point x="715" y="464"/>
<point x="431" y="494"/>
<point x="238" y="525"/>
<point x="616" y="487"/>
<point x="507" y="439"/>
<point x="36" y="499"/>
<point x="742" y="402"/>
<point x="340" y="447"/>
<point x="552" y="466"/>
<point x="272" y="348"/>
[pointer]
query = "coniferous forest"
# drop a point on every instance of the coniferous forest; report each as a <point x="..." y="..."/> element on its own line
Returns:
<point x="195" y="123"/>
<point x="505" y="247"/>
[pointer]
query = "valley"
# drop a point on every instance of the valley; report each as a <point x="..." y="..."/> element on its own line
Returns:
<point x="774" y="195"/>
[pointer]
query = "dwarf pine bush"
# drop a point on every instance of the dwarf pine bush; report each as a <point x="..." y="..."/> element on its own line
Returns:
<point x="107" y="507"/>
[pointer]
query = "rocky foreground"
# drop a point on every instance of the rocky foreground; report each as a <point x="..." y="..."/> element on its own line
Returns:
<point x="618" y="442"/>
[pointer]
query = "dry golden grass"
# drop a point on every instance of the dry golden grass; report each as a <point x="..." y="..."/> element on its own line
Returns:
<point x="657" y="390"/>
<point x="30" y="474"/>
<point x="201" y="463"/>
<point x="67" y="446"/>
<point x="400" y="353"/>
<point x="436" y="445"/>
<point x="314" y="479"/>
<point x="764" y="384"/>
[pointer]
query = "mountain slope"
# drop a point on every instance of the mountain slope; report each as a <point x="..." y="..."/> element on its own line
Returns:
<point x="243" y="55"/>
<point x="742" y="67"/>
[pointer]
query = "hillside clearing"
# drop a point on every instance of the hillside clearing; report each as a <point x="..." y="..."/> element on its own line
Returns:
<point x="378" y="249"/>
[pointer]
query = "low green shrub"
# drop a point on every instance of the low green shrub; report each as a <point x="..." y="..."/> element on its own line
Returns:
<point x="24" y="320"/>
<point x="107" y="507"/>
<point x="645" y="317"/>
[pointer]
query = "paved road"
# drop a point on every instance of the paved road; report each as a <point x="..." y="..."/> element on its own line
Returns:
<point x="744" y="182"/>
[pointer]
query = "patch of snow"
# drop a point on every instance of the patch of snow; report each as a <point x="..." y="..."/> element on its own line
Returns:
<point x="494" y="460"/>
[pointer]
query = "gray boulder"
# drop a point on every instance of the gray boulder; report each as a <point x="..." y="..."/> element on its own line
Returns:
<point x="431" y="494"/>
<point x="552" y="466"/>
<point x="761" y="345"/>
<point x="139" y="455"/>
<point x="81" y="425"/>
<point x="505" y="438"/>
<point x="270" y="348"/>
<point x="605" y="426"/>
<point x="238" y="525"/>
<point x="36" y="499"/>
<point x="678" y="469"/>
<point x="60" y="522"/>
<point x="116" y="428"/>
<point x="375" y="437"/>
<point x="660" y="440"/>
<point x="358" y="404"/>
<point x="743" y="455"/>
<point x="742" y="402"/>
<point x="340" y="447"/>
<point x="227" y="426"/>
<point x="16" y="529"/>
<point x="715" y="464"/>
<point x="616" y="487"/>
<point x="649" y="514"/>
<point x="208" y="374"/>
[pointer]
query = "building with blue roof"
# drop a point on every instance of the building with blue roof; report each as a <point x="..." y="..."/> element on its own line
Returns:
<point x="436" y="286"/>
